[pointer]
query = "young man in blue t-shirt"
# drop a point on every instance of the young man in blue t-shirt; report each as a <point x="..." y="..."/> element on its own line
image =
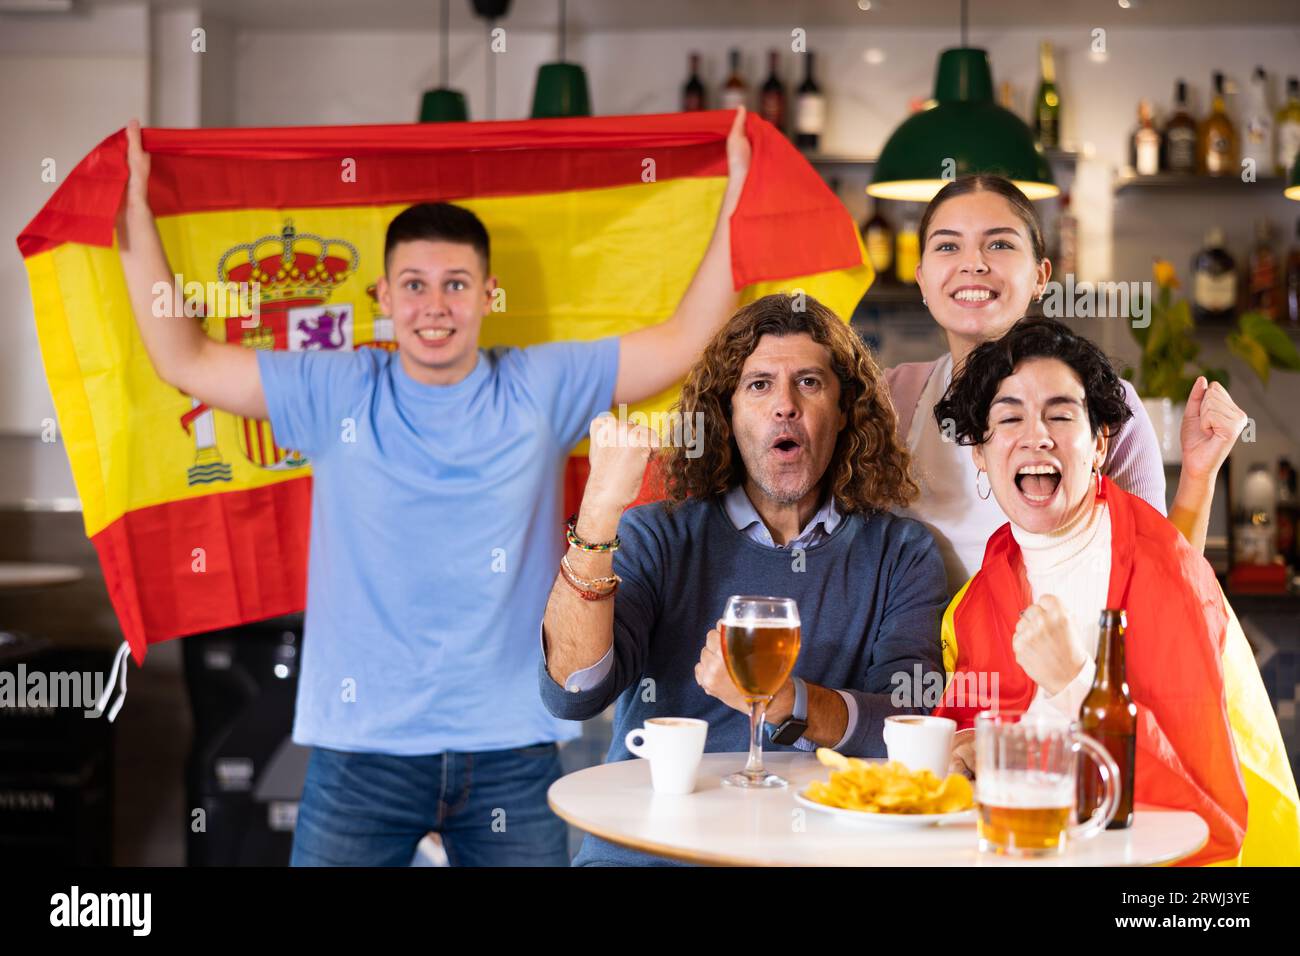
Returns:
<point x="436" y="512"/>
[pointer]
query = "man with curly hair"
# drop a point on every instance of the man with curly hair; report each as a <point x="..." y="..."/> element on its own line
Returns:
<point x="787" y="494"/>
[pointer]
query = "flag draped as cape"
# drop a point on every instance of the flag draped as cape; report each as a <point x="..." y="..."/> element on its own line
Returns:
<point x="596" y="224"/>
<point x="1208" y="740"/>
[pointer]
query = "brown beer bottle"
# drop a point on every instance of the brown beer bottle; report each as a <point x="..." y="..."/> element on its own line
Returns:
<point x="1109" y="716"/>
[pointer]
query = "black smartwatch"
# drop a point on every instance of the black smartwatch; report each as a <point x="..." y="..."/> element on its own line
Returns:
<point x="793" y="728"/>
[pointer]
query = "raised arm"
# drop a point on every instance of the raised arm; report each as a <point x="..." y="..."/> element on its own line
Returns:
<point x="651" y="359"/>
<point x="1211" y="423"/>
<point x="219" y="374"/>
<point x="576" y="632"/>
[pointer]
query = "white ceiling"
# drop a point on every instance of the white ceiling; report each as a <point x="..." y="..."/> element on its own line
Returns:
<point x="604" y="15"/>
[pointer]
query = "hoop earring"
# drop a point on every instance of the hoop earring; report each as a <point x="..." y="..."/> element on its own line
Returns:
<point x="985" y="495"/>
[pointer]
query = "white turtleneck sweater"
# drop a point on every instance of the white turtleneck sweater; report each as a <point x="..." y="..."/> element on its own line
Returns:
<point x="1072" y="563"/>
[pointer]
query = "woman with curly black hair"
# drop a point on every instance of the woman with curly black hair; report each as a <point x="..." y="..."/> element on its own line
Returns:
<point x="1037" y="409"/>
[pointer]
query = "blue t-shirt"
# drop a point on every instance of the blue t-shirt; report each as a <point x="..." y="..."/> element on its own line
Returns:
<point x="436" y="533"/>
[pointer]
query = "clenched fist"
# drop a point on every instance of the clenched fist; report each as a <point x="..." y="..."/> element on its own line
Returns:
<point x="1211" y="423"/>
<point x="1046" y="645"/>
<point x="619" y="453"/>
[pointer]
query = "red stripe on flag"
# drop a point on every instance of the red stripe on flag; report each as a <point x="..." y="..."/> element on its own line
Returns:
<point x="200" y="170"/>
<point x="183" y="184"/>
<point x="260" y="428"/>
<point x="788" y="222"/>
<point x="254" y="562"/>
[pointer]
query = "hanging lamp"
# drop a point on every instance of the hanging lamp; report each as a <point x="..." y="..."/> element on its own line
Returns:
<point x="561" y="87"/>
<point x="444" y="105"/>
<point x="964" y="131"/>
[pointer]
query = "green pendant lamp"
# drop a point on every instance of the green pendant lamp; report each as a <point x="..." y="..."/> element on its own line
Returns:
<point x="444" y="105"/>
<point x="1293" y="184"/>
<point x="561" y="87"/>
<point x="963" y="132"/>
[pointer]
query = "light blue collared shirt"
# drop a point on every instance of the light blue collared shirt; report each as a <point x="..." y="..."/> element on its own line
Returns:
<point x="748" y="522"/>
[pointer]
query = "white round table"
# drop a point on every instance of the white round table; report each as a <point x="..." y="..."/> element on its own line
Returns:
<point x="723" y="825"/>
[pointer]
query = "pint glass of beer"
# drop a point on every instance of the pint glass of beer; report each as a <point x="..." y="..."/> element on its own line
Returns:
<point x="1025" y="783"/>
<point x="760" y="641"/>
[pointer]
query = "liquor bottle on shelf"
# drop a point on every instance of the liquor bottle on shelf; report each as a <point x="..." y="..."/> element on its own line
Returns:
<point x="1261" y="271"/>
<point x="1216" y="148"/>
<point x="1047" y="107"/>
<point x="693" y="91"/>
<point x="878" y="237"/>
<point x="735" y="92"/>
<point x="1180" y="136"/>
<point x="907" y="248"/>
<point x="1257" y="127"/>
<point x="1288" y="127"/>
<point x="1214" y="281"/>
<point x="1109" y="716"/>
<point x="1291" y="284"/>
<point x="810" y="109"/>
<point x="771" y="100"/>
<point x="1144" y="147"/>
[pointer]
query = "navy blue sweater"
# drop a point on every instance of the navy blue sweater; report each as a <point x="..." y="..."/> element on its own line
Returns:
<point x="870" y="597"/>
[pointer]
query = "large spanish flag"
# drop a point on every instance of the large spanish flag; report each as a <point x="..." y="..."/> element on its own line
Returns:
<point x="597" y="226"/>
<point x="1208" y="740"/>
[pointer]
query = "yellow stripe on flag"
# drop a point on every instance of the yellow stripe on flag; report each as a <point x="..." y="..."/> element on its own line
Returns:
<point x="1273" y="818"/>
<point x="50" y="275"/>
<point x="948" y="632"/>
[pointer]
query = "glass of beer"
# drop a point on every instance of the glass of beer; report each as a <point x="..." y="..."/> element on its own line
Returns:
<point x="760" y="641"/>
<point x="1025" y="783"/>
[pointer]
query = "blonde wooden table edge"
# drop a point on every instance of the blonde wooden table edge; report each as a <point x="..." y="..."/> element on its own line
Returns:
<point x="709" y="859"/>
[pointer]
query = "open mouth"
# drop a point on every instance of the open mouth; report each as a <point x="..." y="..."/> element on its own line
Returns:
<point x="971" y="297"/>
<point x="1038" y="483"/>
<point x="435" y="335"/>
<point x="786" y="448"/>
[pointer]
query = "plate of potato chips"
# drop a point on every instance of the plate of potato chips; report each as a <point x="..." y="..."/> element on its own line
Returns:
<point x="888" y="794"/>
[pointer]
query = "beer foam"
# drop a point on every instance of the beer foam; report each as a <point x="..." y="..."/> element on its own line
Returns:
<point x="755" y="623"/>
<point x="1025" y="789"/>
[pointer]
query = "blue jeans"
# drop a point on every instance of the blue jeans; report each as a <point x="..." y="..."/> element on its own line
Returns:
<point x="363" y="809"/>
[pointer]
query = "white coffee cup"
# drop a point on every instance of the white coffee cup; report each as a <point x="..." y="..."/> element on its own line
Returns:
<point x="920" y="742"/>
<point x="674" y="746"/>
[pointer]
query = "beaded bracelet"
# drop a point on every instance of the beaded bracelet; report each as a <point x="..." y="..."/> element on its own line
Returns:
<point x="571" y="532"/>
<point x="584" y="593"/>
<point x="594" y="584"/>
